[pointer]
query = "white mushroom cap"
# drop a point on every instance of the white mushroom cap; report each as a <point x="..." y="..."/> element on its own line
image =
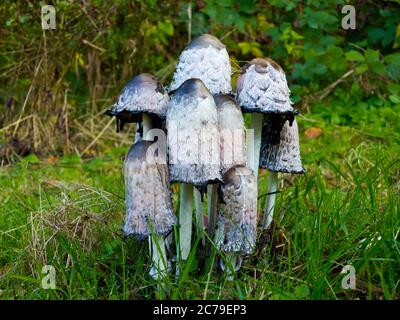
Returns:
<point x="143" y="94"/>
<point x="282" y="155"/>
<point x="232" y="132"/>
<point x="237" y="214"/>
<point x="148" y="197"/>
<point x="205" y="58"/>
<point x="193" y="135"/>
<point x="262" y="87"/>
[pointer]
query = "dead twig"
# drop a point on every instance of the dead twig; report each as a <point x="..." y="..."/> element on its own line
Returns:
<point x="97" y="137"/>
<point x="333" y="85"/>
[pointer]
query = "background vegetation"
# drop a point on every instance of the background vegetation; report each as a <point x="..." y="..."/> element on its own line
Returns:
<point x="61" y="199"/>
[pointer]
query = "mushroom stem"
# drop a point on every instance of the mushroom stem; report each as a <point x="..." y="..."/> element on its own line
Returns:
<point x="159" y="257"/>
<point x="147" y="124"/>
<point x="232" y="265"/>
<point x="212" y="194"/>
<point x="270" y="200"/>
<point x="199" y="213"/>
<point x="209" y="203"/>
<point x="185" y="219"/>
<point x="233" y="259"/>
<point x="253" y="147"/>
<point x="157" y="245"/>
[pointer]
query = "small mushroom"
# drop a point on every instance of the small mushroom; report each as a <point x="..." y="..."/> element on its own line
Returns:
<point x="282" y="155"/>
<point x="285" y="155"/>
<point x="193" y="145"/>
<point x="205" y="58"/>
<point x="237" y="215"/>
<point x="143" y="100"/>
<point x="149" y="211"/>
<point x="262" y="89"/>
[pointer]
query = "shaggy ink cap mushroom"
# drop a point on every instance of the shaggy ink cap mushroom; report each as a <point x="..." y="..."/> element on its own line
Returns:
<point x="262" y="88"/>
<point x="193" y="135"/>
<point x="143" y="94"/>
<point x="148" y="197"/>
<point x="207" y="59"/>
<point x="283" y="156"/>
<point x="237" y="212"/>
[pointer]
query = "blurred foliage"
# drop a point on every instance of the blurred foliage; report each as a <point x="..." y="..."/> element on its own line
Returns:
<point x="76" y="71"/>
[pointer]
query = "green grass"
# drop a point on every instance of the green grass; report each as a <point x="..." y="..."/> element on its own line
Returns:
<point x="345" y="210"/>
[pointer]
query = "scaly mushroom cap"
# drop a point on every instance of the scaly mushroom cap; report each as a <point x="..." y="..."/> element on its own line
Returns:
<point x="282" y="155"/>
<point x="143" y="94"/>
<point x="232" y="132"/>
<point x="205" y="58"/>
<point x="237" y="212"/>
<point x="193" y="136"/>
<point x="148" y="197"/>
<point x="262" y="87"/>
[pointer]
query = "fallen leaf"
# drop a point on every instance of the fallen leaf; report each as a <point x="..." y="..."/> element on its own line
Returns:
<point x="52" y="159"/>
<point x="313" y="132"/>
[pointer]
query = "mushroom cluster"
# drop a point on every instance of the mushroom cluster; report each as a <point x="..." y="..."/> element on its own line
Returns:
<point x="195" y="135"/>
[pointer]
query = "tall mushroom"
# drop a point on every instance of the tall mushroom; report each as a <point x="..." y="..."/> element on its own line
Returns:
<point x="193" y="145"/>
<point x="280" y="152"/>
<point x="237" y="216"/>
<point x="232" y="134"/>
<point x="144" y="101"/>
<point x="207" y="59"/>
<point x="149" y="212"/>
<point x="237" y="212"/>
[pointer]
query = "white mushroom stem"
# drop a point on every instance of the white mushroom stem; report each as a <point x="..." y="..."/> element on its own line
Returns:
<point x="270" y="199"/>
<point x="257" y="123"/>
<point x="253" y="147"/>
<point x="234" y="261"/>
<point x="156" y="241"/>
<point x="147" y="124"/>
<point x="212" y="198"/>
<point x="199" y="213"/>
<point x="232" y="258"/>
<point x="209" y="203"/>
<point x="159" y="257"/>
<point x="185" y="219"/>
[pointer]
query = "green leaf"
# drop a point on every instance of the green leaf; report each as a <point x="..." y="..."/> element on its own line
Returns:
<point x="302" y="291"/>
<point x="31" y="159"/>
<point x="256" y="52"/>
<point x="393" y="58"/>
<point x="166" y="27"/>
<point x="72" y="159"/>
<point x="362" y="68"/>
<point x="371" y="56"/>
<point x="378" y="67"/>
<point x="247" y="6"/>
<point x="394" y="88"/>
<point x="394" y="99"/>
<point x="245" y="47"/>
<point x="354" y="56"/>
